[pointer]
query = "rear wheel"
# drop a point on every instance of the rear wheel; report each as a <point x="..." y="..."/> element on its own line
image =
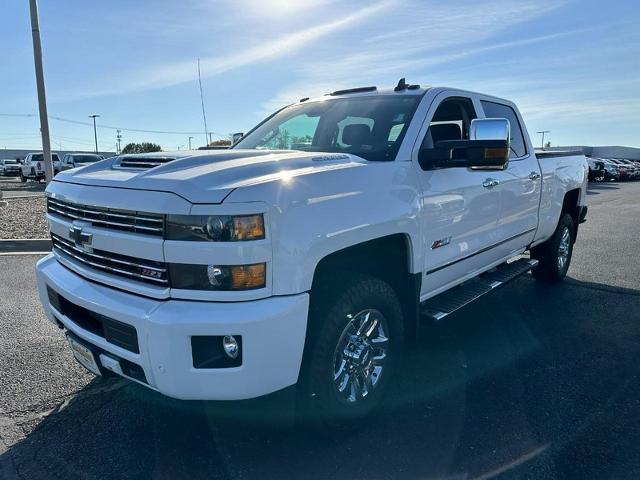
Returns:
<point x="554" y="255"/>
<point x="355" y="338"/>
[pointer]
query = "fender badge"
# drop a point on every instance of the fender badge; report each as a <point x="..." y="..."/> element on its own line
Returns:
<point x="440" y="243"/>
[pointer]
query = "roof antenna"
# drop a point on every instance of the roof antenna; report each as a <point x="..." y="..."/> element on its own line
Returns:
<point x="401" y="85"/>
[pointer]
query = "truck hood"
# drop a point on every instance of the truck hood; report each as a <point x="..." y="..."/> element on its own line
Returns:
<point x="208" y="176"/>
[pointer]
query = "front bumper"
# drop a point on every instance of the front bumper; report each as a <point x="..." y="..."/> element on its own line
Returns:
<point x="273" y="334"/>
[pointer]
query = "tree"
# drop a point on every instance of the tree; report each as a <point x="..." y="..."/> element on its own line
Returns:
<point x="547" y="145"/>
<point x="143" y="147"/>
<point x="220" y="143"/>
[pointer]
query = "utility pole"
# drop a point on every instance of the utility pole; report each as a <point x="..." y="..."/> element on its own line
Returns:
<point x="543" y="132"/>
<point x="118" y="146"/>
<point x="42" y="99"/>
<point x="190" y="142"/>
<point x="210" y="141"/>
<point x="95" y="134"/>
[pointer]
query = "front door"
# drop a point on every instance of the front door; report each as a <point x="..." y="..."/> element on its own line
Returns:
<point x="459" y="205"/>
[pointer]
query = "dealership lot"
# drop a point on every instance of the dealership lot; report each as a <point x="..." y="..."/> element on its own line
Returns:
<point x="531" y="381"/>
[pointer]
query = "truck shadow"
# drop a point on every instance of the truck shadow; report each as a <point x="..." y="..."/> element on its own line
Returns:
<point x="530" y="380"/>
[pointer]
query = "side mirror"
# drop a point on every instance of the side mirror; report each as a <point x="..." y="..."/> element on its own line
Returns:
<point x="487" y="148"/>
<point x="236" y="137"/>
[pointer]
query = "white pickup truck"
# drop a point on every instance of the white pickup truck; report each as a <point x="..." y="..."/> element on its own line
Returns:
<point x="308" y="252"/>
<point x="32" y="167"/>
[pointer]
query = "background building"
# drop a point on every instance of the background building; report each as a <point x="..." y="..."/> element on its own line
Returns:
<point x="631" y="153"/>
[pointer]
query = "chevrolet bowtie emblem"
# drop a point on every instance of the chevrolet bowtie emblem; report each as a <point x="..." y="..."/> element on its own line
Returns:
<point x="79" y="237"/>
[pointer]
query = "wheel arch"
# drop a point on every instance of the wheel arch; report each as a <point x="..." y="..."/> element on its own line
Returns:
<point x="389" y="258"/>
<point x="570" y="205"/>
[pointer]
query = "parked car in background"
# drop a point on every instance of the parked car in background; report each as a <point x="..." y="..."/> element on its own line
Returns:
<point x="626" y="172"/>
<point x="633" y="169"/>
<point x="73" y="160"/>
<point x="611" y="170"/>
<point x="596" y="170"/>
<point x="9" y="168"/>
<point x="32" y="167"/>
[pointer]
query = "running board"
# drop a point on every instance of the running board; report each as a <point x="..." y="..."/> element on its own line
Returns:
<point x="454" y="299"/>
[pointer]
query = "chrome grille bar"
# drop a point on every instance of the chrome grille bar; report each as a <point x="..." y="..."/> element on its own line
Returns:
<point x="146" y="271"/>
<point x="146" y="223"/>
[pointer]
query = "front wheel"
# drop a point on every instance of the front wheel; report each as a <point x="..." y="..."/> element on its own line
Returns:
<point x="355" y="339"/>
<point x="23" y="179"/>
<point x="554" y="255"/>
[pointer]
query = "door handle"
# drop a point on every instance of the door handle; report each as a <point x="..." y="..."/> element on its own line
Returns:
<point x="534" y="176"/>
<point x="490" y="183"/>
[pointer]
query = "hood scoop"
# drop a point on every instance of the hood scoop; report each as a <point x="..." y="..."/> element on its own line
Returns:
<point x="141" y="163"/>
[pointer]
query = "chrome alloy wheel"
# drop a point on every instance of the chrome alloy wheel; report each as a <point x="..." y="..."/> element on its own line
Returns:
<point x="563" y="248"/>
<point x="360" y="355"/>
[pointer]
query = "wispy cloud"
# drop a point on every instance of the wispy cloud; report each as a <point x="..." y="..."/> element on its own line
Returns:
<point x="174" y="73"/>
<point x="431" y="34"/>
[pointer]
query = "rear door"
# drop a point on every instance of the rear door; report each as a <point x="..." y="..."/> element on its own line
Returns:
<point x="519" y="185"/>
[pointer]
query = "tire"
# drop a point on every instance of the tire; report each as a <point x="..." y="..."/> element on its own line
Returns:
<point x="554" y="255"/>
<point x="354" y="341"/>
<point x="23" y="179"/>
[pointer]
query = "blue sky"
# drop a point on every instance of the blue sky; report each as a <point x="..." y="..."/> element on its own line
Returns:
<point x="573" y="67"/>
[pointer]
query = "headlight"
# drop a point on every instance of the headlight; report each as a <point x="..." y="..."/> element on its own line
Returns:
<point x="218" y="277"/>
<point x="216" y="228"/>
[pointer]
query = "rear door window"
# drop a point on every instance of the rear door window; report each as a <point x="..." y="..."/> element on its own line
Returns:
<point x="498" y="110"/>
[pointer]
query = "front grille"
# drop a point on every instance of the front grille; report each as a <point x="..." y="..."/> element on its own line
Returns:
<point x="147" y="271"/>
<point x="112" y="219"/>
<point x="113" y="331"/>
<point x="143" y="162"/>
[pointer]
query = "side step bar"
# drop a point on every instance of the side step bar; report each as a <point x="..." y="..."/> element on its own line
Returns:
<point x="448" y="302"/>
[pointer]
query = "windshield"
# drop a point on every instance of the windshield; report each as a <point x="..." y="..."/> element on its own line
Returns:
<point x="370" y="127"/>
<point x="86" y="158"/>
<point x="9" y="162"/>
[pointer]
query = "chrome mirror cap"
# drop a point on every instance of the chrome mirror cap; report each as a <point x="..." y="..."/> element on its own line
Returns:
<point x="490" y="129"/>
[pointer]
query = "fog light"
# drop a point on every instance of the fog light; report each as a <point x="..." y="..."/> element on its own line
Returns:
<point x="230" y="346"/>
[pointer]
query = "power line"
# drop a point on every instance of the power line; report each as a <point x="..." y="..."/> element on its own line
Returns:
<point x="88" y="124"/>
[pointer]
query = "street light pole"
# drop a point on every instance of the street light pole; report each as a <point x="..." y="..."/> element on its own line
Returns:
<point x="118" y="146"/>
<point x="95" y="133"/>
<point x="42" y="99"/>
<point x="543" y="132"/>
<point x="190" y="142"/>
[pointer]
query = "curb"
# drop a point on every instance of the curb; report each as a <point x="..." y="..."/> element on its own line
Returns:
<point x="21" y="197"/>
<point x="20" y="245"/>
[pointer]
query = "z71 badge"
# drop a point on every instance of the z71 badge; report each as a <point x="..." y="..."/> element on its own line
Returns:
<point x="440" y="243"/>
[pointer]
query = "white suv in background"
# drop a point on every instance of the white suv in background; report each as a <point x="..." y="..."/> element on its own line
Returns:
<point x="9" y="168"/>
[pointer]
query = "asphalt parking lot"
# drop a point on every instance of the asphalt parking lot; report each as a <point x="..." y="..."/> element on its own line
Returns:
<point x="533" y="381"/>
